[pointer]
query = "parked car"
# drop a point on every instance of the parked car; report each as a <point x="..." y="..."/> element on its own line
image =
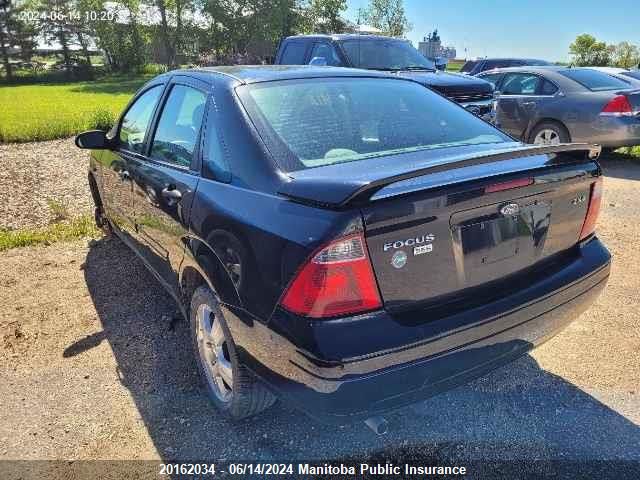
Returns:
<point x="347" y="241"/>
<point x="374" y="52"/>
<point x="475" y="67"/>
<point x="551" y="105"/>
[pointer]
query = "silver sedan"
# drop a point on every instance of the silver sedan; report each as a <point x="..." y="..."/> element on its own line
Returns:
<point x="551" y="105"/>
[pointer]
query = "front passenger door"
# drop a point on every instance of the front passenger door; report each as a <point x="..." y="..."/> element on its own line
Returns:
<point x="166" y="180"/>
<point x="516" y="103"/>
<point x="117" y="163"/>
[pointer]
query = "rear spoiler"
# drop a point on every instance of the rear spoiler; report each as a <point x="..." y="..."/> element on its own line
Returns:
<point x="332" y="192"/>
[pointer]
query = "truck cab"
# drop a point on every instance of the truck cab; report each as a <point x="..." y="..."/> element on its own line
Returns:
<point x="375" y="52"/>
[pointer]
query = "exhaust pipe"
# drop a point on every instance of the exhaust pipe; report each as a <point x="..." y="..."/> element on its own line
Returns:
<point x="378" y="425"/>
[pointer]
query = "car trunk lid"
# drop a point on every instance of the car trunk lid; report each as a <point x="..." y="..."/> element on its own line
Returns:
<point x="444" y="230"/>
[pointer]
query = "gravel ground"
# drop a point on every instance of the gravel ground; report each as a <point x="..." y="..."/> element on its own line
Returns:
<point x="96" y="364"/>
<point x="41" y="174"/>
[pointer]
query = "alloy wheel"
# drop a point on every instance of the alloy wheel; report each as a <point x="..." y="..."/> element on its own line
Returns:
<point x="214" y="353"/>
<point x="547" y="137"/>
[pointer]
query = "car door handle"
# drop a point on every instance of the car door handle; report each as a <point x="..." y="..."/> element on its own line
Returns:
<point x="171" y="195"/>
<point x="529" y="104"/>
<point x="124" y="175"/>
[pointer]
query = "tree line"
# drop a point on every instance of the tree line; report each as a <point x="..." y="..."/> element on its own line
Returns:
<point x="131" y="33"/>
<point x="587" y="51"/>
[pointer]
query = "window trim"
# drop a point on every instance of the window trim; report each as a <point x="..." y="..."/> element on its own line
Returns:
<point x="190" y="82"/>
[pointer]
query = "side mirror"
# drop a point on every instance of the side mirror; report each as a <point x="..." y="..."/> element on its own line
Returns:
<point x="441" y="63"/>
<point x="318" y="62"/>
<point x="93" y="140"/>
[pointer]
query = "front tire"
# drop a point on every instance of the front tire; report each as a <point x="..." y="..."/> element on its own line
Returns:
<point x="228" y="384"/>
<point x="549" y="133"/>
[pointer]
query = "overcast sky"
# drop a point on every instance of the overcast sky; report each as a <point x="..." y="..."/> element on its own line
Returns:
<point x="534" y="28"/>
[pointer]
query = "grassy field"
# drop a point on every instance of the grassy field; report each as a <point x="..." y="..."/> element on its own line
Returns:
<point x="45" y="112"/>
<point x="454" y="66"/>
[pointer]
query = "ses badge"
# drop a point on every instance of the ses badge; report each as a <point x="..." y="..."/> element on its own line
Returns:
<point x="420" y="246"/>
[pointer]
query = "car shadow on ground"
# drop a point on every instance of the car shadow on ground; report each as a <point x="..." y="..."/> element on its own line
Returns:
<point x="519" y="411"/>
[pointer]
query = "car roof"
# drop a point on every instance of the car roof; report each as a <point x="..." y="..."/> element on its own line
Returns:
<point x="268" y="73"/>
<point x="492" y="59"/>
<point x="345" y="36"/>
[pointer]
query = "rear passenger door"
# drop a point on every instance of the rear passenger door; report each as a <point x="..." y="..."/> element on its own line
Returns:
<point x="165" y="180"/>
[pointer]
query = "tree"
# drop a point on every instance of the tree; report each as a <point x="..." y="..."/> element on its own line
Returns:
<point x="587" y="51"/>
<point x="237" y="26"/>
<point x="386" y="15"/>
<point x="17" y="35"/>
<point x="323" y="16"/>
<point x="626" y="55"/>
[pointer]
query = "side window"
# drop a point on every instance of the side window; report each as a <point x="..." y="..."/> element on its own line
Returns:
<point x="137" y="119"/>
<point x="177" y="133"/>
<point x="214" y="151"/>
<point x="548" y="88"/>
<point x="492" y="78"/>
<point x="520" y="84"/>
<point x="328" y="52"/>
<point x="293" y="53"/>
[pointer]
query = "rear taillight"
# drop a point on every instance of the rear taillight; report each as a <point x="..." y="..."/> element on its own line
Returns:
<point x="595" y="199"/>
<point x="337" y="280"/>
<point x="619" y="106"/>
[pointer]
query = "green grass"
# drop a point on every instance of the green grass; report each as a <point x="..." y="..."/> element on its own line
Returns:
<point x="79" y="227"/>
<point x="454" y="67"/>
<point x="45" y="112"/>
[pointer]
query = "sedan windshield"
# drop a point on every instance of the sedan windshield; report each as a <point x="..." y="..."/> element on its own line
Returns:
<point x="316" y="122"/>
<point x="381" y="54"/>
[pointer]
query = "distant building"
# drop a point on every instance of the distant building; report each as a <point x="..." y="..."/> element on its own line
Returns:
<point x="431" y="47"/>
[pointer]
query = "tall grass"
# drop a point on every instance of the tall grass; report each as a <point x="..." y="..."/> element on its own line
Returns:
<point x="45" y="112"/>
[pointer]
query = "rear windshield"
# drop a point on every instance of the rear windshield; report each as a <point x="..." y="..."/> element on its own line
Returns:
<point x="382" y="54"/>
<point x="468" y="66"/>
<point x="316" y="122"/>
<point x="594" y="80"/>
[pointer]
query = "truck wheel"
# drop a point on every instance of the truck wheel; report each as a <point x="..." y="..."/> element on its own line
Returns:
<point x="549" y="133"/>
<point x="229" y="385"/>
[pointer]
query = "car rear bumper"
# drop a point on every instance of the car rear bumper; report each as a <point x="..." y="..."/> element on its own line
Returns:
<point x="388" y="371"/>
<point x="612" y="131"/>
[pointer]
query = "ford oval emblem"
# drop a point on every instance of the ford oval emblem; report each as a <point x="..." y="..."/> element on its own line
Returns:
<point x="510" y="209"/>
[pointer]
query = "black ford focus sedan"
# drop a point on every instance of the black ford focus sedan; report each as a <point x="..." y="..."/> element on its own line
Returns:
<point x="346" y="241"/>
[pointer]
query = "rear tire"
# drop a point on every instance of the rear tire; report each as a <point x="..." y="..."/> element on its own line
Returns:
<point x="229" y="385"/>
<point x="549" y="133"/>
